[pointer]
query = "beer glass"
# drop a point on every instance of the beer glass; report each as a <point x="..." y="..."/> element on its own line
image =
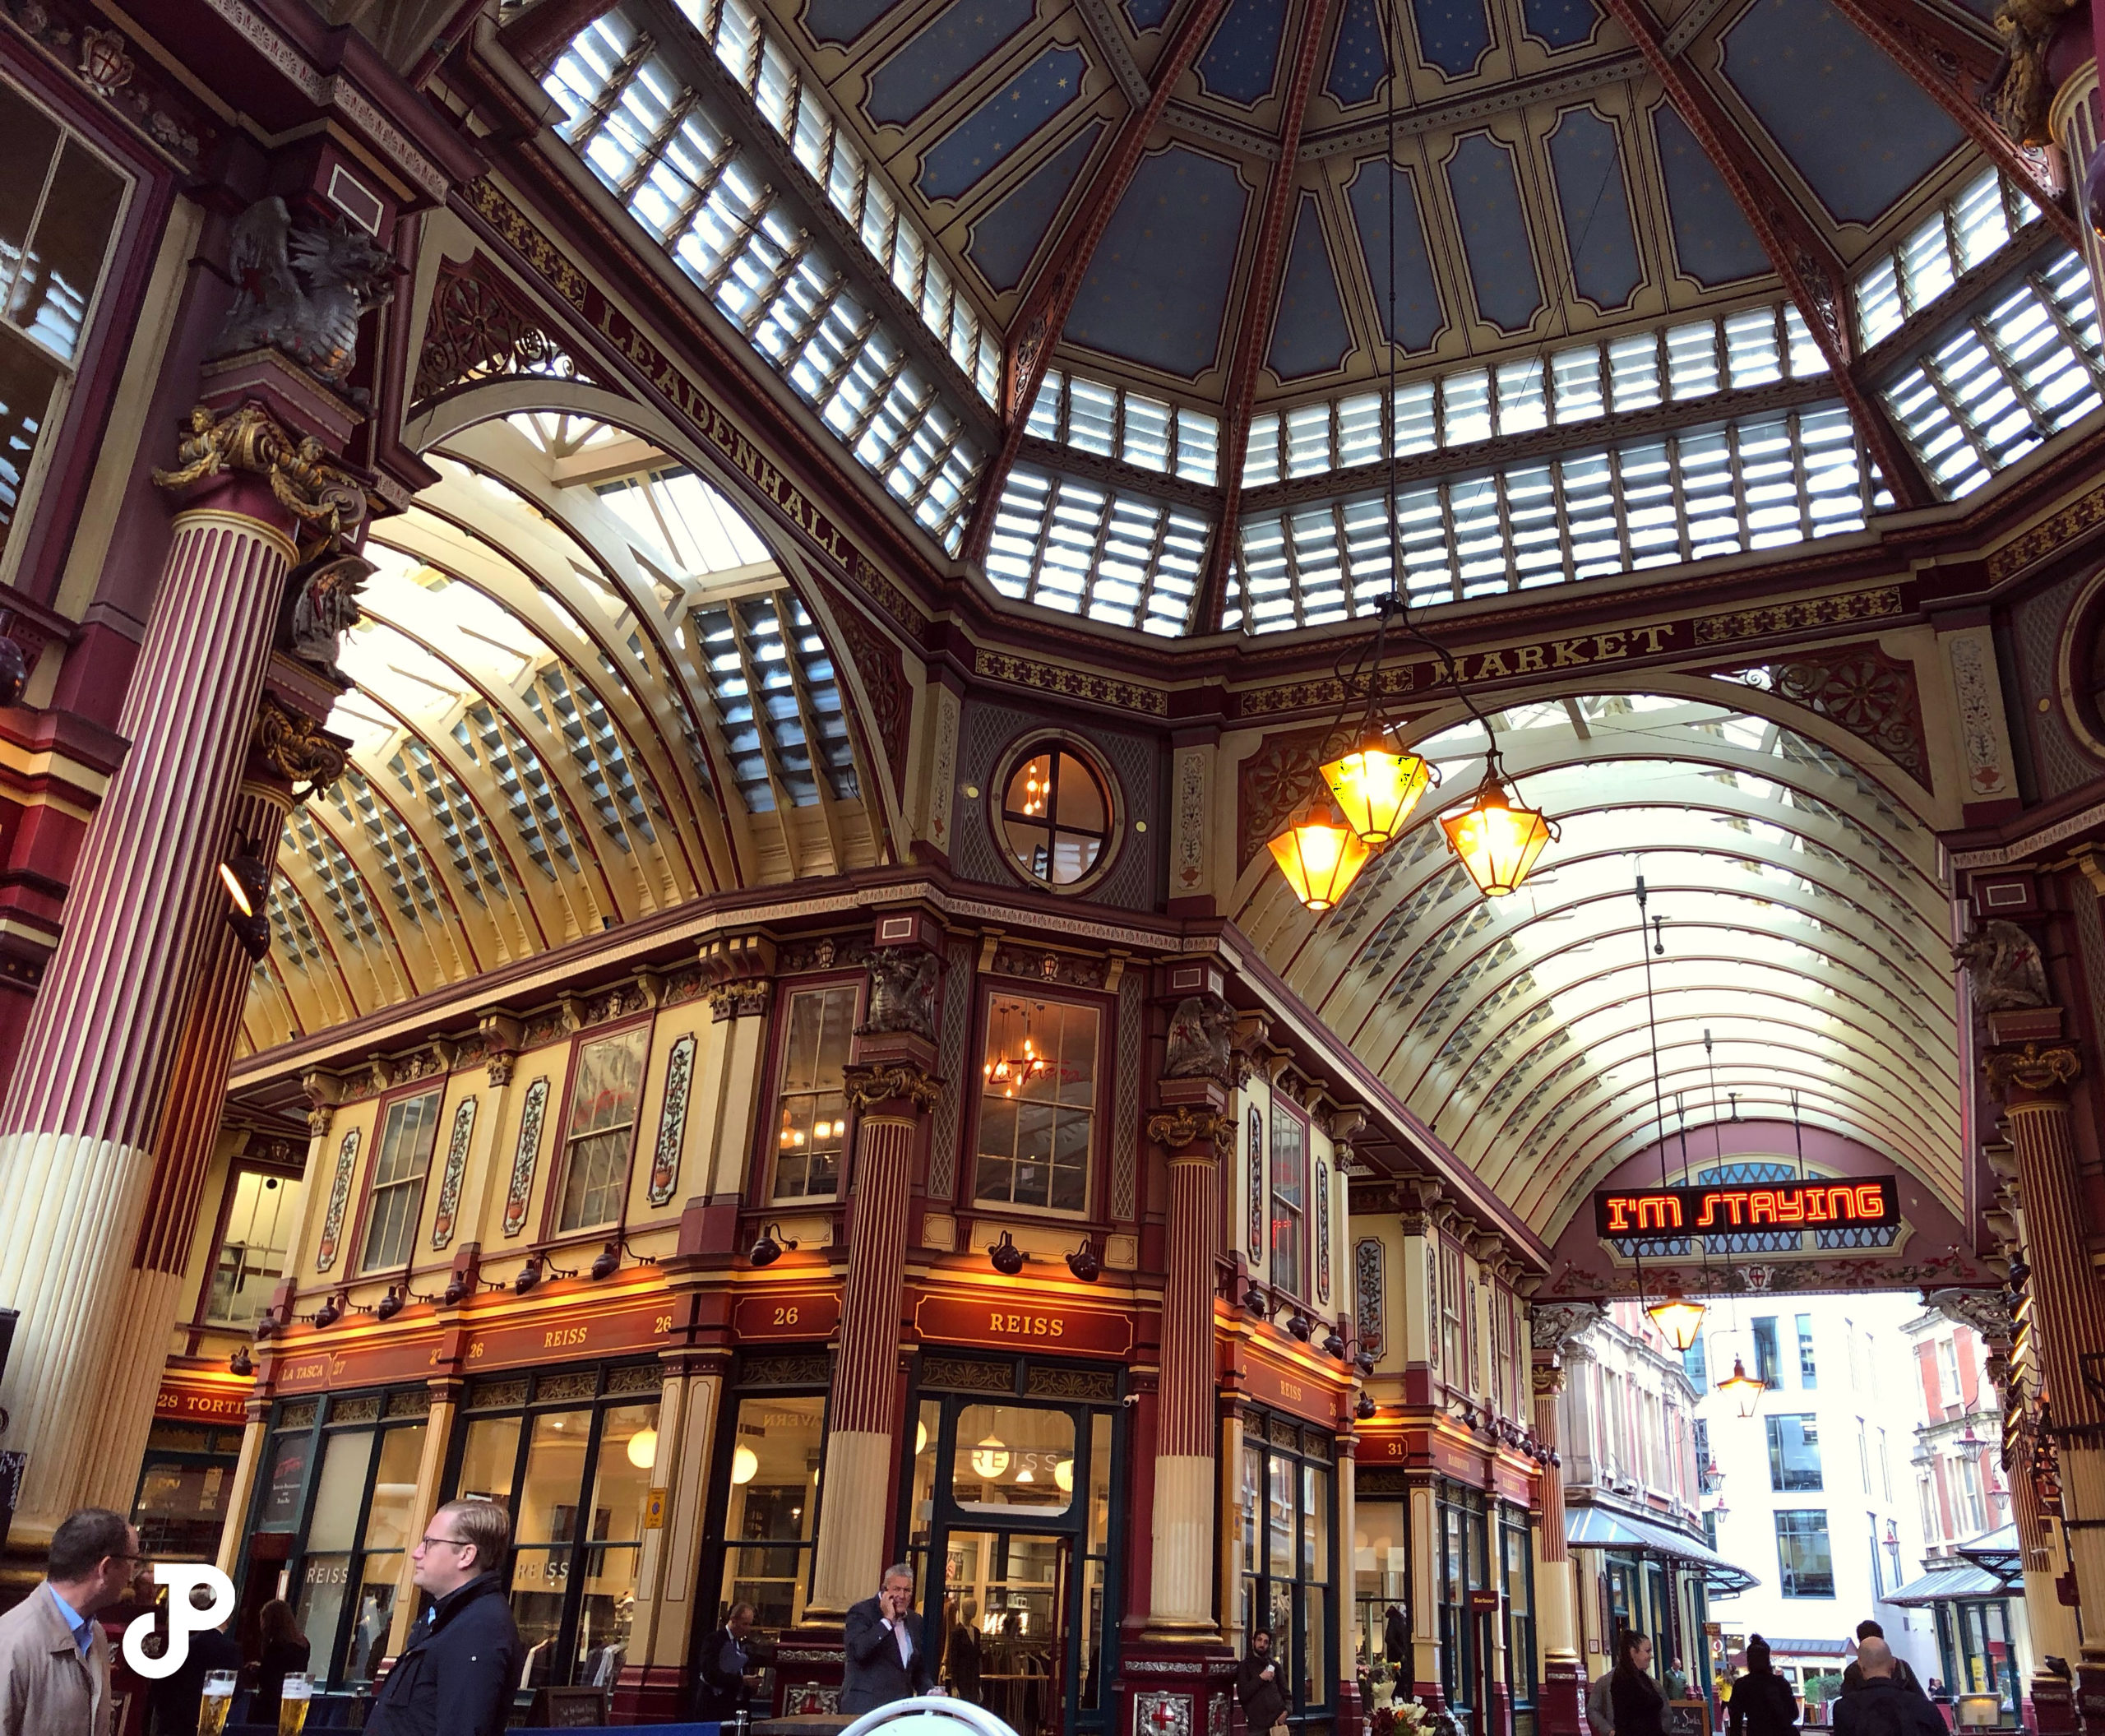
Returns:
<point x="217" y="1703"/>
<point x="293" y="1700"/>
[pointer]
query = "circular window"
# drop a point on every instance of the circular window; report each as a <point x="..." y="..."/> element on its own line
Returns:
<point x="1056" y="816"/>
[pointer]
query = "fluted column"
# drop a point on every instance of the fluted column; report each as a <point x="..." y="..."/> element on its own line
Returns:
<point x="149" y="1297"/>
<point x="2050" y="1622"/>
<point x="1180" y="1574"/>
<point x="2067" y="1312"/>
<point x="892" y="1097"/>
<point x="2072" y="122"/>
<point x="1556" y="1633"/>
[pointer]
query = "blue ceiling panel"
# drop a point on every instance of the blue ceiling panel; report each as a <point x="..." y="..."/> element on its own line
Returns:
<point x="1858" y="129"/>
<point x="1241" y="62"/>
<point x="1452" y="35"/>
<point x="843" y="20"/>
<point x="1713" y="241"/>
<point x="1586" y="153"/>
<point x="1487" y="194"/>
<point x="1561" y="24"/>
<point x="1420" y="317"/>
<point x="1005" y="240"/>
<point x="949" y="46"/>
<point x="1157" y="285"/>
<point x="1358" y="60"/>
<point x="1310" y="335"/>
<point x="1146" y="15"/>
<point x="978" y="144"/>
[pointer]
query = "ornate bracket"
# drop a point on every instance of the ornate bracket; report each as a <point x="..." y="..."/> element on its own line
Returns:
<point x="742" y="999"/>
<point x="297" y="748"/>
<point x="324" y="498"/>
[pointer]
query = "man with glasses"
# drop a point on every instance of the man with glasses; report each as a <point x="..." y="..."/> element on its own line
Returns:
<point x="54" y="1657"/>
<point x="458" y="1671"/>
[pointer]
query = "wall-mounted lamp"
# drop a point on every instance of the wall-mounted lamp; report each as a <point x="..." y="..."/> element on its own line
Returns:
<point x="1301" y="1326"/>
<point x="609" y="1263"/>
<point x="529" y="1274"/>
<point x="768" y="1249"/>
<point x="1006" y="1257"/>
<point x="1334" y="1345"/>
<point x="390" y="1305"/>
<point x="1083" y="1262"/>
<point x="1364" y="1409"/>
<point x="1253" y="1302"/>
<point x="240" y="1362"/>
<point x="456" y="1290"/>
<point x="330" y="1312"/>
<point x="246" y="877"/>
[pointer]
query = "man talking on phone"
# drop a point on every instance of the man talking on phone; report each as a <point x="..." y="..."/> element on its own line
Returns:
<point x="884" y="1658"/>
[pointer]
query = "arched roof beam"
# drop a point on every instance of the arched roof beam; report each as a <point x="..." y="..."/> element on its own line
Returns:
<point x="451" y="919"/>
<point x="424" y="946"/>
<point x="383" y="943"/>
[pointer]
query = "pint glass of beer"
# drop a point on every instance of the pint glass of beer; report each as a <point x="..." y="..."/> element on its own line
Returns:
<point x="218" y="1702"/>
<point x="293" y="1700"/>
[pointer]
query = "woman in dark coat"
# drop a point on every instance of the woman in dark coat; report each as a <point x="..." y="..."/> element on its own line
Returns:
<point x="1640" y="1708"/>
<point x="1761" y="1702"/>
<point x="284" y="1653"/>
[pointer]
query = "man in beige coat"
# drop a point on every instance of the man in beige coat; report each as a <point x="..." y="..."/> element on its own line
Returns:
<point x="54" y="1657"/>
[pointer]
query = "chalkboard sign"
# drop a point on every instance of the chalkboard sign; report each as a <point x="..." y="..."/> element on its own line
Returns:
<point x="1687" y="1717"/>
<point x="569" y="1708"/>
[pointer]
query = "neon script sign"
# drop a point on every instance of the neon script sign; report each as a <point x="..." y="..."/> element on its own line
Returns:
<point x="1865" y="1205"/>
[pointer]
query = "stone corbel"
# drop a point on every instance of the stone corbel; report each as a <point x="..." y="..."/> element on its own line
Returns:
<point x="1253" y="1036"/>
<point x="324" y="1092"/>
<point x="1418" y="1195"/>
<point x="502" y="1034"/>
<point x="1552" y="1325"/>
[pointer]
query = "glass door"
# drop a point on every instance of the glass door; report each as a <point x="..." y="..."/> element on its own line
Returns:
<point x="1011" y="1550"/>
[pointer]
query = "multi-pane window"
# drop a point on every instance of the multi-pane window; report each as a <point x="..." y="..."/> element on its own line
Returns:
<point x="185" y="1482"/>
<point x="1286" y="1548"/>
<point x="1111" y="421"/>
<point x="1089" y="548"/>
<point x="1922" y="266"/>
<point x="1453" y="1326"/>
<point x="1516" y="1544"/>
<point x="1037" y="1104"/>
<point x="778" y="700"/>
<point x="812" y="1112"/>
<point x="1056" y="817"/>
<point x="1768" y="1365"/>
<point x="58" y="209"/>
<point x="1695" y="1365"/>
<point x="1805" y="1563"/>
<point x="1463" y="1544"/>
<point x="603" y="1106"/>
<point x="573" y="1461"/>
<point x="1808" y="1368"/>
<point x="407" y="1134"/>
<point x="254" y="1241"/>
<point x="1794" y="1453"/>
<point x="1290" y="1197"/>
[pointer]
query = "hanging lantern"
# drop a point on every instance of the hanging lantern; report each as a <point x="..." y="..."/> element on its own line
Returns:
<point x="1320" y="856"/>
<point x="1376" y="787"/>
<point x="1743" y="1389"/>
<point x="1497" y="839"/>
<point x="1680" y="1319"/>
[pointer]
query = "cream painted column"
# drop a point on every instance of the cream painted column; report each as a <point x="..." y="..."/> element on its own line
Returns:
<point x="737" y="976"/>
<point x="684" y="1456"/>
<point x="892" y="1099"/>
<point x="1556" y="1634"/>
<point x="77" y="1130"/>
<point x="241" y="1491"/>
<point x="430" y="1473"/>
<point x="2066" y="1306"/>
<point x="2051" y="1623"/>
<point x="1180" y="1605"/>
<point x="1425" y="1597"/>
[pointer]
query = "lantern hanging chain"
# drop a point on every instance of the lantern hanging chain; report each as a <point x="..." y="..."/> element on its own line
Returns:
<point x="1799" y="1133"/>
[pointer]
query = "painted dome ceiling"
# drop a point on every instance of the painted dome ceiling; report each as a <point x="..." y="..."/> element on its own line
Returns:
<point x="1102" y="290"/>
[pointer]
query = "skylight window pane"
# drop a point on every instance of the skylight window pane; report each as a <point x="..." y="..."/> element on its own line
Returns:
<point x="1465" y="407"/>
<point x="1359" y="430"/>
<point x="1198" y="446"/>
<point x="1692" y="359"/>
<point x="1752" y="356"/>
<point x="1260" y="456"/>
<point x="1925" y="262"/>
<point x="1092" y="416"/>
<point x="1308" y="440"/>
<point x="1146" y="442"/>
<point x="1634" y="372"/>
<point x="1522" y="404"/>
<point x="1575" y="382"/>
<point x="1980" y="219"/>
<point x="1417" y="428"/>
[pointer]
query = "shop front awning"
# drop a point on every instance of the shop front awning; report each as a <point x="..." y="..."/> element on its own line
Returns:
<point x="1590" y="1527"/>
<point x="1999" y="1552"/>
<point x="1967" y="1583"/>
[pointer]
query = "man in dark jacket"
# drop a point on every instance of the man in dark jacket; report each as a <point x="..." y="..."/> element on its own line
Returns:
<point x="457" y="1673"/>
<point x="1881" y="1706"/>
<point x="1259" y="1684"/>
<point x="1853" y="1678"/>
<point x="726" y="1686"/>
<point x="885" y="1661"/>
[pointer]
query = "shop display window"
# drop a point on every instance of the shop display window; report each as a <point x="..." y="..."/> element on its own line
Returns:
<point x="1464" y="1548"/>
<point x="771" y="1510"/>
<point x="811" y="1104"/>
<point x="1516" y="1550"/>
<point x="570" y="1456"/>
<point x="1381" y="1581"/>
<point x="183" y="1485"/>
<point x="1288" y="1521"/>
<point x="1037" y="1103"/>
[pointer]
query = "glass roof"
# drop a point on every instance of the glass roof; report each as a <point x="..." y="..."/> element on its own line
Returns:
<point x="575" y="705"/>
<point x="1803" y="934"/>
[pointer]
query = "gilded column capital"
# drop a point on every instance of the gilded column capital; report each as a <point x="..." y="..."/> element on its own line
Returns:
<point x="869" y="1083"/>
<point x="1181" y="1129"/>
<point x="743" y="999"/>
<point x="2035" y="1069"/>
<point x="297" y="747"/>
<point x="326" y="499"/>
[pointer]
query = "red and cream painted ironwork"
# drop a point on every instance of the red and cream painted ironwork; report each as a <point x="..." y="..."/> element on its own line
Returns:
<point x="87" y="1098"/>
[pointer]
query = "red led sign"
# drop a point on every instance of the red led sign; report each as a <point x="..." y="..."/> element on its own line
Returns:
<point x="1872" y="1204"/>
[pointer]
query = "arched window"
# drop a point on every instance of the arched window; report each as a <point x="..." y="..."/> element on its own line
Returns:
<point x="1056" y="814"/>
